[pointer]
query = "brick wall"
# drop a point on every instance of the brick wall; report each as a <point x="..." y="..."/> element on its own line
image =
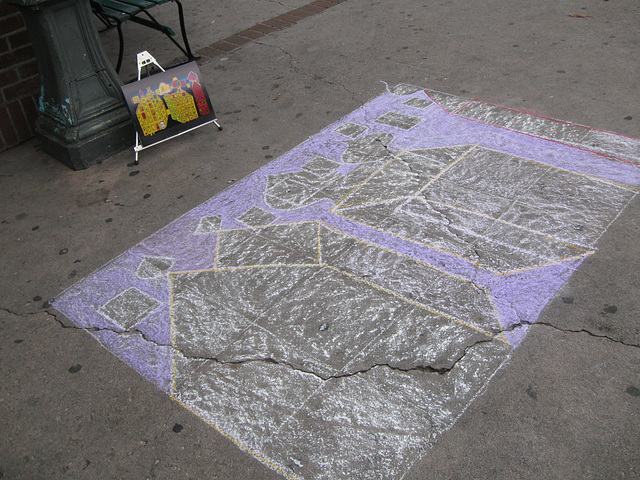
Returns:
<point x="19" y="79"/>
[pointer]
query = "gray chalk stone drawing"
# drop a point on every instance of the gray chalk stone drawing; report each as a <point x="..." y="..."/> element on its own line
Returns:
<point x="351" y="130"/>
<point x="340" y="308"/>
<point x="209" y="224"/>
<point x="256" y="216"/>
<point x="152" y="267"/>
<point x="129" y="307"/>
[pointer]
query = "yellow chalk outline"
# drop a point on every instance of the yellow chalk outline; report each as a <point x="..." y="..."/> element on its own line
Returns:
<point x="458" y="160"/>
<point x="339" y="205"/>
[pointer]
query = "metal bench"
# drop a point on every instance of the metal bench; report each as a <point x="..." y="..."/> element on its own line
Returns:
<point x="113" y="13"/>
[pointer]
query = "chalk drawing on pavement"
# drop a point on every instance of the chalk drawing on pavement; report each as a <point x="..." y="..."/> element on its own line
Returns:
<point x="340" y="308"/>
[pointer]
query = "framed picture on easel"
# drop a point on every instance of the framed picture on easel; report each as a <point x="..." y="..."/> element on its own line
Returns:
<point x="168" y="104"/>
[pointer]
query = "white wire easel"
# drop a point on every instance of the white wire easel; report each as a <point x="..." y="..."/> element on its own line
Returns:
<point x="144" y="60"/>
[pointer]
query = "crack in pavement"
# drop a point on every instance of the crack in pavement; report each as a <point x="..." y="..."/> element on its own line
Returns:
<point x="525" y="323"/>
<point x="64" y="325"/>
<point x="293" y="61"/>
<point x="128" y="331"/>
<point x="392" y="154"/>
<point x="420" y="368"/>
<point x="416" y="368"/>
<point x="430" y="369"/>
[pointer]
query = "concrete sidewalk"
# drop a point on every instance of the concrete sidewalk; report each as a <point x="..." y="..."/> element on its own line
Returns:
<point x="565" y="405"/>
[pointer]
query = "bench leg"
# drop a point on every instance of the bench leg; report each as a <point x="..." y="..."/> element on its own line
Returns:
<point x="121" y="51"/>
<point x="183" y="29"/>
<point x="104" y="19"/>
<point x="186" y="49"/>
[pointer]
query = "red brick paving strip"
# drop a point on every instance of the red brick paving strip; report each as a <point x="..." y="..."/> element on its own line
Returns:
<point x="223" y="46"/>
<point x="286" y="17"/>
<point x="252" y="34"/>
<point x="323" y="3"/>
<point x="298" y="15"/>
<point x="302" y="13"/>
<point x="277" y="23"/>
<point x="311" y="8"/>
<point x="261" y="29"/>
<point x="237" y="40"/>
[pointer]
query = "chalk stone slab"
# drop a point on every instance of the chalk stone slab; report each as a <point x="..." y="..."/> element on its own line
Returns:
<point x="351" y="130"/>
<point x="209" y="224"/>
<point x="418" y="103"/>
<point x="152" y="267"/>
<point x="128" y="308"/>
<point x="399" y="120"/>
<point x="256" y="216"/>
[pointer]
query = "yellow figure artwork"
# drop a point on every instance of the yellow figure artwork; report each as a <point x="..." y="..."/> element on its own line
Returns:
<point x="151" y="112"/>
<point x="180" y="103"/>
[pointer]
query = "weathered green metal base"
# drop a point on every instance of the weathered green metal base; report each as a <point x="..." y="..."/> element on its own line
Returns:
<point x="82" y="114"/>
<point x="91" y="150"/>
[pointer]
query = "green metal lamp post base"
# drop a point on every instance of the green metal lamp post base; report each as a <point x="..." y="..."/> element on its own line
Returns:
<point x="82" y="114"/>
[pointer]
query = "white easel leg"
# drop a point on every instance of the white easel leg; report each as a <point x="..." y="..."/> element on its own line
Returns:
<point x="136" y="149"/>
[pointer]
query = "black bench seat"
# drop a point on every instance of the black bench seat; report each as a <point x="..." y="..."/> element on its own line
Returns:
<point x="113" y="13"/>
